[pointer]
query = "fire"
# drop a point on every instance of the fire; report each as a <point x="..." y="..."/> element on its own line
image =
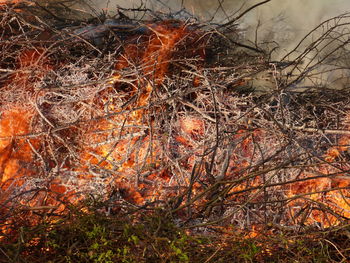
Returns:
<point x="18" y="165"/>
<point x="10" y="2"/>
<point x="117" y="143"/>
<point x="136" y="152"/>
<point x="192" y="126"/>
<point x="331" y="190"/>
<point x="321" y="193"/>
<point x="15" y="2"/>
<point x="334" y="152"/>
<point x="15" y="151"/>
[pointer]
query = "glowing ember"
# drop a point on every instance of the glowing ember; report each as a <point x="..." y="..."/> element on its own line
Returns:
<point x="115" y="142"/>
<point x="331" y="191"/>
<point x="10" y="2"/>
<point x="135" y="152"/>
<point x="16" y="152"/>
<point x="334" y="152"/>
<point x="192" y="126"/>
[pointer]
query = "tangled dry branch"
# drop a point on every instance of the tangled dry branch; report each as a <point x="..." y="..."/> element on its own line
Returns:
<point x="162" y="112"/>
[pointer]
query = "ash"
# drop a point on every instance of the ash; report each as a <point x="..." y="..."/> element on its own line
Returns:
<point x="172" y="113"/>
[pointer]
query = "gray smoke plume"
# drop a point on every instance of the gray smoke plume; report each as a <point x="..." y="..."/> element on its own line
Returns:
<point x="283" y="21"/>
<point x="278" y="24"/>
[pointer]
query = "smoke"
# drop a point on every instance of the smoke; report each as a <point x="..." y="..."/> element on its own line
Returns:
<point x="284" y="22"/>
<point x="278" y="23"/>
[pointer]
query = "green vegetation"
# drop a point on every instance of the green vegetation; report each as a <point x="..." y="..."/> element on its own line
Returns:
<point x="92" y="236"/>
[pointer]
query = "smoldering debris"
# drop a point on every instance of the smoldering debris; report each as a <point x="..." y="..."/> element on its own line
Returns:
<point x="163" y="113"/>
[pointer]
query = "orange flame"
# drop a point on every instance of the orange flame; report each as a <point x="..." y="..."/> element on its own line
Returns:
<point x="11" y="2"/>
<point x="14" y="151"/>
<point x="322" y="188"/>
<point x="135" y="152"/>
<point x="122" y="147"/>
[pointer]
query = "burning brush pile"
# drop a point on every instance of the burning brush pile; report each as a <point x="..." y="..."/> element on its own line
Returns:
<point x="161" y="113"/>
